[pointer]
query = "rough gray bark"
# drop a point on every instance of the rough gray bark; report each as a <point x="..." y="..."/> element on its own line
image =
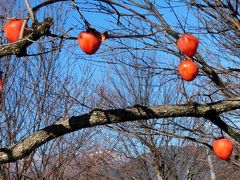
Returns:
<point x="101" y="117"/>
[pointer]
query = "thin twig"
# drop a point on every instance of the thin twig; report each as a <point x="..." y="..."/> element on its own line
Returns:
<point x="22" y="29"/>
<point x="183" y="28"/>
<point x="81" y="15"/>
<point x="31" y="14"/>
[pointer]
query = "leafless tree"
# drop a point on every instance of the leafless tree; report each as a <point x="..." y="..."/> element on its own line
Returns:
<point x="40" y="106"/>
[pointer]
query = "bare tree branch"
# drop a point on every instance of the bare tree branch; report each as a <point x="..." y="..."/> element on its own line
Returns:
<point x="101" y="117"/>
<point x="31" y="14"/>
<point x="45" y="4"/>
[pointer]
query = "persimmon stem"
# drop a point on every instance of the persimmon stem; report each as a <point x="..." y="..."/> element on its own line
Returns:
<point x="31" y="14"/>
<point x="222" y="133"/>
<point x="104" y="36"/>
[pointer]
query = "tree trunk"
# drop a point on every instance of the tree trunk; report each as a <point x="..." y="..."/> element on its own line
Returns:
<point x="156" y="165"/>
<point x="154" y="152"/>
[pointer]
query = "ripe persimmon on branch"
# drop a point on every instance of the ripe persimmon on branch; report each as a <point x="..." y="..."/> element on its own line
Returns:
<point x="139" y="36"/>
<point x="19" y="48"/>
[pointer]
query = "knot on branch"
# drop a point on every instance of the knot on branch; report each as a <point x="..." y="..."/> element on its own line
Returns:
<point x="98" y="116"/>
<point x="42" y="28"/>
<point x="211" y="114"/>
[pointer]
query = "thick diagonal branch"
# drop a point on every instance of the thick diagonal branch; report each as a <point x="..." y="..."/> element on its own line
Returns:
<point x="101" y="117"/>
